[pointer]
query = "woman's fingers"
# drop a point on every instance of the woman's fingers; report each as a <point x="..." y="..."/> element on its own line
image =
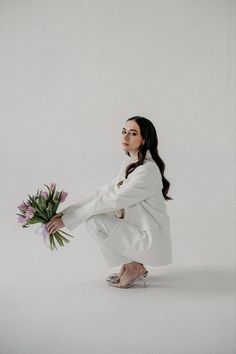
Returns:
<point x="54" y="225"/>
<point x="50" y="226"/>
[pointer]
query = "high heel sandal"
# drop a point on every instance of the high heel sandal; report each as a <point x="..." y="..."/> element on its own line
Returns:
<point x="125" y="286"/>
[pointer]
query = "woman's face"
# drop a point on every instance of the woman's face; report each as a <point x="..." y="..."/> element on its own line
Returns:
<point x="131" y="138"/>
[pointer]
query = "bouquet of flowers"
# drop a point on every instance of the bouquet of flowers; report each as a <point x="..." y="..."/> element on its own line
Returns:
<point x="40" y="209"/>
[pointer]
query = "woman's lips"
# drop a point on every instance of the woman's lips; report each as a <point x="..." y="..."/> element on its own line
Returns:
<point x="125" y="144"/>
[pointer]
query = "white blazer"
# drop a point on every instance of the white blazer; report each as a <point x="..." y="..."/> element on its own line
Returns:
<point x="144" y="206"/>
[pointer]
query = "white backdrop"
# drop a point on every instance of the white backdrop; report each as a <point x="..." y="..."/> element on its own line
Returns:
<point x="72" y="72"/>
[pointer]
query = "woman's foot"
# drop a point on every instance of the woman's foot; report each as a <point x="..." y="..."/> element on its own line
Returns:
<point x="131" y="271"/>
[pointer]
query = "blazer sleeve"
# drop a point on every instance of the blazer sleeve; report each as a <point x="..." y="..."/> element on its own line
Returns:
<point x="141" y="185"/>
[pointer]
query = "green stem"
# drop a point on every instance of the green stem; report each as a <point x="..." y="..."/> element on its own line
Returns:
<point x="66" y="233"/>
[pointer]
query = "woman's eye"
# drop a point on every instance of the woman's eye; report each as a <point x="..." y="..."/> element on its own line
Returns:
<point x="123" y="132"/>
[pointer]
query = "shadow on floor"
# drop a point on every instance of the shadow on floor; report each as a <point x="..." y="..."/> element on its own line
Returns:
<point x="203" y="280"/>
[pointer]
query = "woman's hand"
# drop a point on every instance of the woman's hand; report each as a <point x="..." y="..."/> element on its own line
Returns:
<point x="55" y="223"/>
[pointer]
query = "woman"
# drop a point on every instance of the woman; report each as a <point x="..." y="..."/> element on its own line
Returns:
<point x="128" y="217"/>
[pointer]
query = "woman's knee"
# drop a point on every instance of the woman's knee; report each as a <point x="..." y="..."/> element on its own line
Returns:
<point x="101" y="222"/>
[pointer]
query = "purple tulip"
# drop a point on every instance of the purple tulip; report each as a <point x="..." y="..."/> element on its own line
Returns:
<point x="21" y="219"/>
<point x="53" y="186"/>
<point x="23" y="206"/>
<point x="45" y="195"/>
<point x="63" y="196"/>
<point x="30" y="213"/>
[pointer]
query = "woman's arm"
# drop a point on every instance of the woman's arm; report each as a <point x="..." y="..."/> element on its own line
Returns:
<point x="143" y="183"/>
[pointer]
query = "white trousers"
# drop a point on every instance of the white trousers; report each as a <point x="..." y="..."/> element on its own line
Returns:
<point x="117" y="239"/>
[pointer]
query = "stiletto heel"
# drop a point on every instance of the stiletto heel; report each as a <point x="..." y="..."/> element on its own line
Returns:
<point x="144" y="282"/>
<point x="144" y="279"/>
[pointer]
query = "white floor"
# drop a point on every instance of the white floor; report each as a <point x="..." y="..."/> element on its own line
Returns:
<point x="60" y="304"/>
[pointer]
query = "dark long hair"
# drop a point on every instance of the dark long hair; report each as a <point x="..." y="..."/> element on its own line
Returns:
<point x="148" y="132"/>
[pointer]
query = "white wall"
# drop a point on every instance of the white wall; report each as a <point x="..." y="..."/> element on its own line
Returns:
<point x="72" y="72"/>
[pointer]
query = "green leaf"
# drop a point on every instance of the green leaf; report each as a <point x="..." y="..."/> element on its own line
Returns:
<point x="55" y="206"/>
<point x="49" y="210"/>
<point x="41" y="215"/>
<point x="49" y="192"/>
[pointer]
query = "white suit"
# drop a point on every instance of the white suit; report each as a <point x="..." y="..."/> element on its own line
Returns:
<point x="144" y="234"/>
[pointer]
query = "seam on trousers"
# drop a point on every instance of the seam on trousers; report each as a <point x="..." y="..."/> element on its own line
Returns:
<point x="109" y="232"/>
